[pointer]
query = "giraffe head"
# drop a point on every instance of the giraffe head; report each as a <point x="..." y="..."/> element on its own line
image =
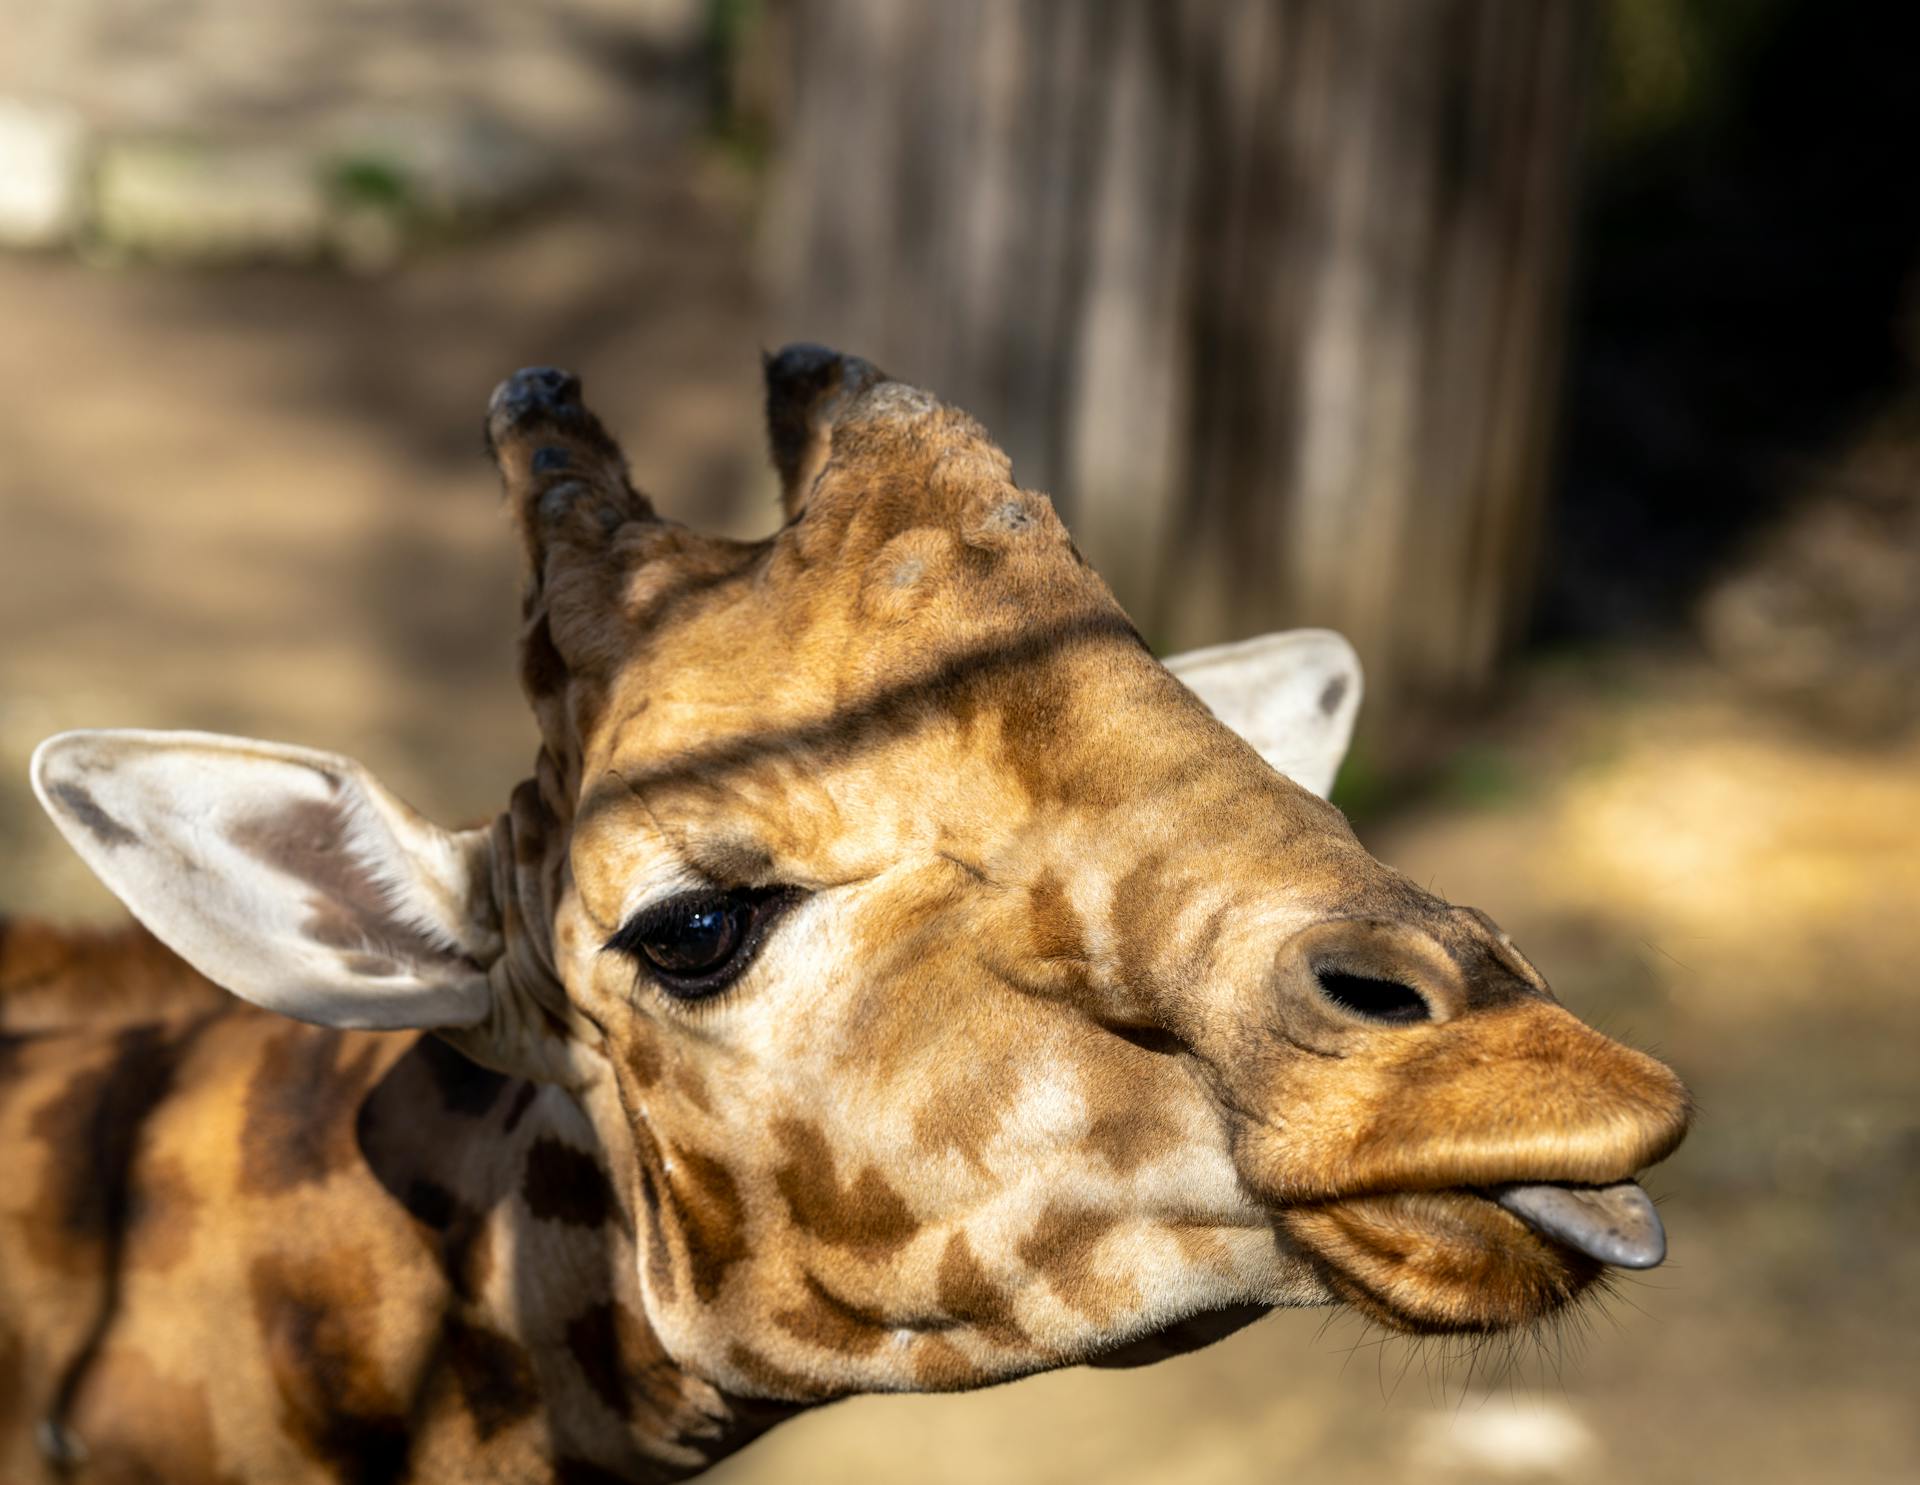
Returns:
<point x="953" y="992"/>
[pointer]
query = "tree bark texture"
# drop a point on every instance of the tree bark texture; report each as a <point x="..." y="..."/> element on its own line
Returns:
<point x="1267" y="293"/>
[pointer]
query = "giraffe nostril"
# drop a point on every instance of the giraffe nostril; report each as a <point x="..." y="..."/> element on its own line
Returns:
<point x="1374" y="999"/>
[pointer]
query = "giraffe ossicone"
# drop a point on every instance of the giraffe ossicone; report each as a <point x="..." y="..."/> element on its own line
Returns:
<point x="891" y="977"/>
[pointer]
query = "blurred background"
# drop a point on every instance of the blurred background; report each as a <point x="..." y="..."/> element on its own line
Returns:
<point x="1566" y="355"/>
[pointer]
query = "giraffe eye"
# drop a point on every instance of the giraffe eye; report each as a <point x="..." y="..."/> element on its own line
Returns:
<point x="697" y="944"/>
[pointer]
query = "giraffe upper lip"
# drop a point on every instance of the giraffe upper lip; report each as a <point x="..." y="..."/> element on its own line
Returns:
<point x="1616" y="1223"/>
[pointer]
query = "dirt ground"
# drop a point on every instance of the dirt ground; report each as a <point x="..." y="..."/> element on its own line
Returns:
<point x="255" y="502"/>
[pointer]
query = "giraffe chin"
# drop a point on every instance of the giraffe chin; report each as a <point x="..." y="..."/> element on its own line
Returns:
<point x="1439" y="1262"/>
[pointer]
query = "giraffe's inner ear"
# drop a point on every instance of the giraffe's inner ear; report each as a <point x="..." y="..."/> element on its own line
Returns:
<point x="290" y="877"/>
<point x="1293" y="696"/>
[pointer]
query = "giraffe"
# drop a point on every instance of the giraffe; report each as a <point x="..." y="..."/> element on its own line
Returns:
<point x="891" y="978"/>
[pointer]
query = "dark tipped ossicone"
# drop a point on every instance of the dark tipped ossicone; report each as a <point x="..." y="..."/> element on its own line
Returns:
<point x="530" y="391"/>
<point x="539" y="430"/>
<point x="799" y="375"/>
<point x="806" y="386"/>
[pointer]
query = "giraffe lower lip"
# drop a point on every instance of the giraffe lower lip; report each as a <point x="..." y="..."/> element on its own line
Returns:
<point x="1616" y="1224"/>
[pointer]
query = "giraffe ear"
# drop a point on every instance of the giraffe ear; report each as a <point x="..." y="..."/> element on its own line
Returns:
<point x="291" y="877"/>
<point x="1292" y="695"/>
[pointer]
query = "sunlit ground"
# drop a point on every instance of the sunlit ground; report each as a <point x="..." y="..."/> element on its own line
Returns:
<point x="257" y="504"/>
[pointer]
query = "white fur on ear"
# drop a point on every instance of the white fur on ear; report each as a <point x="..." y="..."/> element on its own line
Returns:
<point x="1292" y="695"/>
<point x="291" y="877"/>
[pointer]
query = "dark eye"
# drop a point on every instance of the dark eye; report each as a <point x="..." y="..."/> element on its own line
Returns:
<point x="697" y="944"/>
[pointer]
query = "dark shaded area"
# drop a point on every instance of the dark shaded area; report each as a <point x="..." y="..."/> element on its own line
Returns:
<point x="1377" y="1000"/>
<point x="890" y="712"/>
<point x="465" y="1087"/>
<point x="800" y="380"/>
<point x="566" y="1185"/>
<point x="1745" y="278"/>
<point x="495" y="1376"/>
<point x="336" y="1406"/>
<point x="100" y="1119"/>
<point x="300" y="1108"/>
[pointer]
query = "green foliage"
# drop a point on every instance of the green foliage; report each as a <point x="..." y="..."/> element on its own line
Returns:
<point x="1363" y="789"/>
<point x="1480" y="776"/>
<point x="738" y="62"/>
<point x="371" y="181"/>
<point x="1474" y="776"/>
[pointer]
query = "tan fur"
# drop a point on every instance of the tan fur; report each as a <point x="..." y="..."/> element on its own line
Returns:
<point x="1034" y="1068"/>
<point x="57" y="978"/>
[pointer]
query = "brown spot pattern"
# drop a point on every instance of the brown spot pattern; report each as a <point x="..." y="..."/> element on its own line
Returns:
<point x="969" y="1296"/>
<point x="659" y="1256"/>
<point x="1054" y="929"/>
<point x="566" y="1185"/>
<point x="1145" y="909"/>
<point x="688" y="1083"/>
<point x="1202" y="1247"/>
<point x="829" y="1322"/>
<point x="868" y="1215"/>
<point x="302" y="1104"/>
<point x="643" y="1061"/>
<point x="1126" y="1138"/>
<point x="461" y="1237"/>
<point x="941" y="1366"/>
<point x="67" y="978"/>
<point x="626" y="1368"/>
<point x="770" y="1380"/>
<point x="711" y="1216"/>
<point x="318" y="1322"/>
<point x="432" y="1203"/>
<point x="593" y="1338"/>
<point x="1060" y="1249"/>
<point x="967" y="1106"/>
<point x="1130" y="1125"/>
<point x="494" y="1374"/>
<point x="466" y="1088"/>
<point x="13" y="1386"/>
<point x="92" y="1129"/>
<point x="523" y="1097"/>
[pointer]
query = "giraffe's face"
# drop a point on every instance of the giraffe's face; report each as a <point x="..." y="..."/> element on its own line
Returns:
<point x="953" y="994"/>
<point x="979" y="1003"/>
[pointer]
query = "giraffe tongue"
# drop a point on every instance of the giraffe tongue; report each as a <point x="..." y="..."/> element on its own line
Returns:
<point x="1615" y="1224"/>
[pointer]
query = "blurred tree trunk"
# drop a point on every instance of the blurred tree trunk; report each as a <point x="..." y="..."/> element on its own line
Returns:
<point x="1266" y="292"/>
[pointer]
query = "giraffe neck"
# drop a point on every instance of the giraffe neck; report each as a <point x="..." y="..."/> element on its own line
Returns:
<point x="405" y="1266"/>
<point x="544" y="1330"/>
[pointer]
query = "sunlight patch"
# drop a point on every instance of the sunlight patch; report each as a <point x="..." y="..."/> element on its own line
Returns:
<point x="1503" y="1437"/>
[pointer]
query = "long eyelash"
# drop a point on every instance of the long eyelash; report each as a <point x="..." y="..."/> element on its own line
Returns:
<point x="662" y="917"/>
<point x="765" y="907"/>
